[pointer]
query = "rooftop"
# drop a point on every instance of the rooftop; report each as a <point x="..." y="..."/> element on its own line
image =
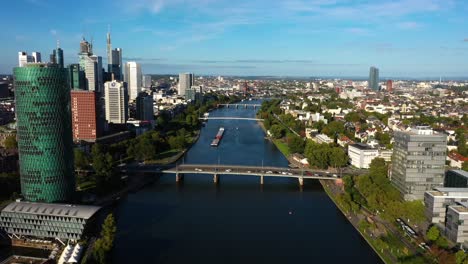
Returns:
<point x="64" y="210"/>
<point x="361" y="146"/>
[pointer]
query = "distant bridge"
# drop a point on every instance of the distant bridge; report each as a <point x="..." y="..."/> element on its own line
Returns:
<point x="254" y="106"/>
<point x="230" y="118"/>
<point x="259" y="171"/>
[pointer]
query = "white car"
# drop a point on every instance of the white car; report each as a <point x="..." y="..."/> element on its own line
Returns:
<point x="284" y="173"/>
<point x="197" y="169"/>
<point x="249" y="172"/>
<point x="289" y="173"/>
<point x="228" y="170"/>
<point x="269" y="172"/>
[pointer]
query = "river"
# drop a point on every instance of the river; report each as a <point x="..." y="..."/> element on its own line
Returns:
<point x="238" y="220"/>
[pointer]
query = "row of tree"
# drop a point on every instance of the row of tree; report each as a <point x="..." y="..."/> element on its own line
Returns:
<point x="325" y="155"/>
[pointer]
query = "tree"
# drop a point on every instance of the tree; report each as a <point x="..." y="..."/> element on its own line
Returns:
<point x="334" y="128"/>
<point x="10" y="142"/>
<point x="276" y="131"/>
<point x="105" y="243"/>
<point x="81" y="160"/>
<point x="319" y="125"/>
<point x="338" y="158"/>
<point x="460" y="257"/>
<point x="442" y="242"/>
<point x="461" y="142"/>
<point x="296" y="144"/>
<point x="433" y="233"/>
<point x="465" y="166"/>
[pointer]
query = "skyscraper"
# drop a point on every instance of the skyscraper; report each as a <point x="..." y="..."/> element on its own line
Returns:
<point x="89" y="65"/>
<point x="85" y="115"/>
<point x="57" y="56"/>
<point x="389" y="86"/>
<point x="374" y="78"/>
<point x="147" y="81"/>
<point x="185" y="82"/>
<point x="144" y="107"/>
<point x="76" y="77"/>
<point x="24" y="58"/>
<point x="114" y="59"/>
<point x="116" y="102"/>
<point x="418" y="161"/>
<point x="133" y="79"/>
<point x="99" y="73"/>
<point x="36" y="56"/>
<point x="44" y="133"/>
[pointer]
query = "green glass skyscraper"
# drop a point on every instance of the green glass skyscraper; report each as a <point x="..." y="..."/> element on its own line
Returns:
<point x="44" y="133"/>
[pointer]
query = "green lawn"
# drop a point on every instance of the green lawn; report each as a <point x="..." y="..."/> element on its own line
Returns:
<point x="283" y="147"/>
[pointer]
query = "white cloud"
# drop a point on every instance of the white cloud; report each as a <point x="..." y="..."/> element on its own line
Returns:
<point x="409" y="25"/>
<point x="53" y="32"/>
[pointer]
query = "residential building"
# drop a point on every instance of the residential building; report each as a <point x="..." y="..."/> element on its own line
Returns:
<point x="322" y="138"/>
<point x="456" y="159"/>
<point x="45" y="220"/>
<point x="85" y="116"/>
<point x="361" y="155"/>
<point x="133" y="79"/>
<point x="456" y="228"/>
<point x="144" y="107"/>
<point x="386" y="154"/>
<point x="24" y="58"/>
<point x="116" y="102"/>
<point x="44" y="133"/>
<point x="436" y="202"/>
<point x="185" y="82"/>
<point x="418" y="161"/>
<point x="374" y="78"/>
<point x="456" y="179"/>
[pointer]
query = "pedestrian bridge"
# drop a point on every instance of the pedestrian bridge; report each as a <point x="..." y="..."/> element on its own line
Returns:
<point x="230" y="118"/>
<point x="261" y="172"/>
<point x="254" y="106"/>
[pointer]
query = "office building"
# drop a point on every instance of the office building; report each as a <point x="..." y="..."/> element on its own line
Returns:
<point x="144" y="107"/>
<point x="436" y="202"/>
<point x="57" y="56"/>
<point x="147" y="81"/>
<point x="99" y="73"/>
<point x="116" y="102"/>
<point x="133" y="79"/>
<point x="185" y="82"/>
<point x="37" y="57"/>
<point x="89" y="66"/>
<point x="24" y="58"/>
<point x="456" y="227"/>
<point x="4" y="91"/>
<point x="45" y="220"/>
<point x="76" y="77"/>
<point x="418" y="161"/>
<point x="389" y="86"/>
<point x="374" y="78"/>
<point x="85" y="115"/>
<point x="44" y="133"/>
<point x="114" y="60"/>
<point x="456" y="179"/>
<point x="361" y="155"/>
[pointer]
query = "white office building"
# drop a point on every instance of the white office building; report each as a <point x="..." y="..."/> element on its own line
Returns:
<point x="185" y="83"/>
<point x="436" y="202"/>
<point x="37" y="56"/>
<point x="90" y="67"/>
<point x="133" y="79"/>
<point x="24" y="58"/>
<point x="361" y="155"/>
<point x="116" y="102"/>
<point x="456" y="228"/>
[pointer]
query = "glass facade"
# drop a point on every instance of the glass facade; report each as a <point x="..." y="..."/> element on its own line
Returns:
<point x="44" y="133"/>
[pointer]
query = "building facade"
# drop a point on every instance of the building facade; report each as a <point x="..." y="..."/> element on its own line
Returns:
<point x="45" y="220"/>
<point x="389" y="86"/>
<point x="418" y="162"/>
<point x="24" y="58"/>
<point x="456" y="228"/>
<point x="133" y="79"/>
<point x="374" y="78"/>
<point x="116" y="102"/>
<point x="144" y="107"/>
<point x="76" y="77"/>
<point x="85" y="116"/>
<point x="185" y="82"/>
<point x="361" y="155"/>
<point x="456" y="179"/>
<point x="147" y="81"/>
<point x="436" y="202"/>
<point x="44" y="133"/>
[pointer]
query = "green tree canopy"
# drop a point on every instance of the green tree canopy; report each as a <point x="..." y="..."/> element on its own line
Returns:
<point x="277" y="131"/>
<point x="10" y="142"/>
<point x="433" y="233"/>
<point x="296" y="144"/>
<point x="81" y="159"/>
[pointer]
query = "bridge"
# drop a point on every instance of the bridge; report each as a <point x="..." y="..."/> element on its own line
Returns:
<point x="258" y="171"/>
<point x="230" y="118"/>
<point x="241" y="105"/>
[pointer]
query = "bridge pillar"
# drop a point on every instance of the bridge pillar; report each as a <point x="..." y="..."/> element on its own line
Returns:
<point x="301" y="181"/>
<point x="245" y="106"/>
<point x="237" y="106"/>
<point x="179" y="177"/>
<point x="215" y="178"/>
<point x="261" y="179"/>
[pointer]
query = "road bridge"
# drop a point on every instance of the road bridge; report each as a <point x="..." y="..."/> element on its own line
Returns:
<point x="254" y="106"/>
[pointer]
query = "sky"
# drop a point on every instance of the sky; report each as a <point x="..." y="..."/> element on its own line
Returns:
<point x="403" y="38"/>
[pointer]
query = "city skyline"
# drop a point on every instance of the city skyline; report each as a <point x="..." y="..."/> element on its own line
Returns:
<point x="292" y="38"/>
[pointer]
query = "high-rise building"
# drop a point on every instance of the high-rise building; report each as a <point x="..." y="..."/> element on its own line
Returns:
<point x="85" y="115"/>
<point x="76" y="77"/>
<point x="185" y="82"/>
<point x="89" y="66"/>
<point x="374" y="78"/>
<point x="24" y="58"/>
<point x="144" y="107"/>
<point x="37" y="57"/>
<point x="133" y="79"/>
<point x="44" y="133"/>
<point x="114" y="60"/>
<point x="389" y="86"/>
<point x="418" y="161"/>
<point x="99" y="73"/>
<point x="116" y="102"/>
<point x="147" y="81"/>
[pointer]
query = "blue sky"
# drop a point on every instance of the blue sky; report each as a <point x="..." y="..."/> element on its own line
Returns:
<point x="403" y="38"/>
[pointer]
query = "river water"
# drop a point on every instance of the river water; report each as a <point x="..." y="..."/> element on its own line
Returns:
<point x="238" y="220"/>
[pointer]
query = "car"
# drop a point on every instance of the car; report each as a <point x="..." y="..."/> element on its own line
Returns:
<point x="197" y="169"/>
<point x="334" y="175"/>
<point x="309" y="173"/>
<point x="284" y="173"/>
<point x="228" y="170"/>
<point x="249" y="172"/>
<point x="289" y="173"/>
<point x="269" y="172"/>
<point x="327" y="172"/>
